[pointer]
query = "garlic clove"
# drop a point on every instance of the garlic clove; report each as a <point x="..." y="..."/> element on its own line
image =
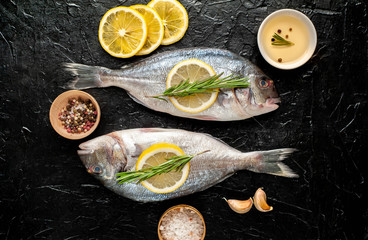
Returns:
<point x="240" y="206"/>
<point x="260" y="201"/>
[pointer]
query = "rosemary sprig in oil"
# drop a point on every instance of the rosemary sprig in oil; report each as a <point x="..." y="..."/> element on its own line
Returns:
<point x="173" y="163"/>
<point x="280" y="41"/>
<point x="186" y="88"/>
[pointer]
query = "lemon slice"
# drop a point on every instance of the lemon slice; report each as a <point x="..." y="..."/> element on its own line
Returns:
<point x="192" y="70"/>
<point x="155" y="29"/>
<point x="156" y="155"/>
<point x="122" y="32"/>
<point x="174" y="17"/>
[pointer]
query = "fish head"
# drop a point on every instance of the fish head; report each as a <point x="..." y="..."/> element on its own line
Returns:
<point x="103" y="157"/>
<point x="262" y="95"/>
<point x="259" y="98"/>
<point x="263" y="89"/>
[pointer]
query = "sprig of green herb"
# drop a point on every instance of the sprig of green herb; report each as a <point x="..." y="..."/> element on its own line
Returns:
<point x="173" y="163"/>
<point x="186" y="88"/>
<point x="280" y="41"/>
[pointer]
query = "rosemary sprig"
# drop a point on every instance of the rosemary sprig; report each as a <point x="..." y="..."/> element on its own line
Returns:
<point x="280" y="41"/>
<point x="173" y="163"/>
<point x="186" y="88"/>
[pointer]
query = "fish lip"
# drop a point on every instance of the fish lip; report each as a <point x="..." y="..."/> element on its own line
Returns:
<point x="272" y="103"/>
<point x="83" y="146"/>
<point x="84" y="152"/>
<point x="269" y="101"/>
<point x="274" y="100"/>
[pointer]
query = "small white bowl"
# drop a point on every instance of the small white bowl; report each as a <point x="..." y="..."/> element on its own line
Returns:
<point x="312" y="41"/>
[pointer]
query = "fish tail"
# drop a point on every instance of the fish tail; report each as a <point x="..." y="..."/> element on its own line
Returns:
<point x="270" y="162"/>
<point x="87" y="76"/>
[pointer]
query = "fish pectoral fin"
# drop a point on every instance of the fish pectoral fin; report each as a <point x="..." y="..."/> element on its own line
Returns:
<point x="138" y="151"/>
<point x="136" y="99"/>
<point x="205" y="117"/>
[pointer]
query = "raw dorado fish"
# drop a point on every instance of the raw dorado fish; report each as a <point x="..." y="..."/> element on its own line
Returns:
<point x="148" y="78"/>
<point x="118" y="151"/>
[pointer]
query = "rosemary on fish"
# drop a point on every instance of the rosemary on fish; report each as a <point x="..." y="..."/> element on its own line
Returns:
<point x="186" y="88"/>
<point x="277" y="40"/>
<point x="173" y="163"/>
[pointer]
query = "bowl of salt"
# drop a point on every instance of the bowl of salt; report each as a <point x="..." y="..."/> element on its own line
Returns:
<point x="181" y="222"/>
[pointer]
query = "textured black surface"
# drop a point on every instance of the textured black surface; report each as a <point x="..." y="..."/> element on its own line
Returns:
<point x="47" y="194"/>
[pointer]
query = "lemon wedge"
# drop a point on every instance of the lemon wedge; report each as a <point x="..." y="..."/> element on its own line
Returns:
<point x="192" y="70"/>
<point x="155" y="29"/>
<point x="174" y="17"/>
<point x="156" y="155"/>
<point x="122" y="32"/>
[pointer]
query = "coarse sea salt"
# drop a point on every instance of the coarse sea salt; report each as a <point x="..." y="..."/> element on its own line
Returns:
<point x="181" y="224"/>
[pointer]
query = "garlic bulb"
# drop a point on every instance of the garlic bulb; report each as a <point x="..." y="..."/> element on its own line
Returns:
<point x="240" y="206"/>
<point x="260" y="201"/>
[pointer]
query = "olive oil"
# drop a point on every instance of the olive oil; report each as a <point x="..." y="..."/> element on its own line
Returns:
<point x="291" y="29"/>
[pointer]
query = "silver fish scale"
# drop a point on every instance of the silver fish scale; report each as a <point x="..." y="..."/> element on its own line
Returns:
<point x="148" y="78"/>
<point x="206" y="169"/>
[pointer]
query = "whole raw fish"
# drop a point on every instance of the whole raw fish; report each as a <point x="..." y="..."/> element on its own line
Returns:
<point x="148" y="78"/>
<point x="118" y="151"/>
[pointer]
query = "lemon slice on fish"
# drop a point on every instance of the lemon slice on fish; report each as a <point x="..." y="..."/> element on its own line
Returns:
<point x="174" y="17"/>
<point x="122" y="32"/>
<point x="192" y="70"/>
<point x="155" y="29"/>
<point x="156" y="155"/>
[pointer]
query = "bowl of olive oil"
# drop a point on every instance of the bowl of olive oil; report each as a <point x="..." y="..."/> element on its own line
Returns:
<point x="287" y="39"/>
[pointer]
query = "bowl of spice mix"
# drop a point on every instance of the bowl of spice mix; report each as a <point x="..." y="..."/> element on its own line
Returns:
<point x="75" y="114"/>
<point x="181" y="222"/>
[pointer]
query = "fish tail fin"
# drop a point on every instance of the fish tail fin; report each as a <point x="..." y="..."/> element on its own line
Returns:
<point x="87" y="76"/>
<point x="270" y="162"/>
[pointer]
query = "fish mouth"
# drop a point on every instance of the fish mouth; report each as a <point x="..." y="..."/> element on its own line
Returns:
<point x="84" y="150"/>
<point x="85" y="154"/>
<point x="273" y="100"/>
<point x="272" y="103"/>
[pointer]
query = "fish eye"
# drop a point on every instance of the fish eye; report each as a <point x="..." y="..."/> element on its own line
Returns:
<point x="96" y="170"/>
<point x="263" y="83"/>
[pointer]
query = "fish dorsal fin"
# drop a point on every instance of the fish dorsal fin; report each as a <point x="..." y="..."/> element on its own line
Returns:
<point x="125" y="66"/>
<point x="159" y="129"/>
<point x="133" y="64"/>
<point x="217" y="139"/>
<point x="181" y="130"/>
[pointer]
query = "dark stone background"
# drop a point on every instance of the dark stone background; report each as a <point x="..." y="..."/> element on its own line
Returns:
<point x="46" y="192"/>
